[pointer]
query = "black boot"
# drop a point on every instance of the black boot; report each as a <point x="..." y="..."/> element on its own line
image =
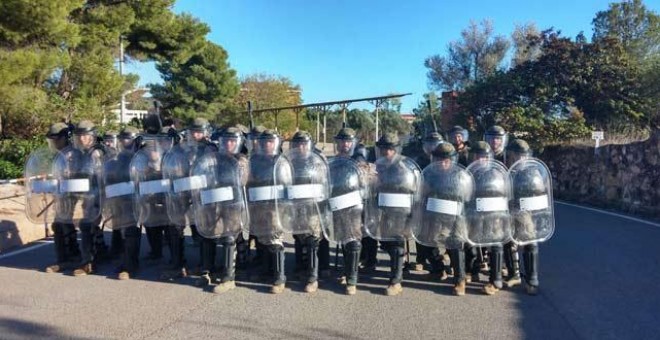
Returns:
<point x="312" y="244"/>
<point x="177" y="263"/>
<point x="512" y="263"/>
<point x="131" y="241"/>
<point x="351" y="263"/>
<point x="436" y="258"/>
<point x="457" y="257"/>
<point x="242" y="252"/>
<point x="531" y="261"/>
<point x="495" y="280"/>
<point x="324" y="257"/>
<point x="279" y="279"/>
<point x="208" y="251"/>
<point x="228" y="275"/>
<point x="396" y="251"/>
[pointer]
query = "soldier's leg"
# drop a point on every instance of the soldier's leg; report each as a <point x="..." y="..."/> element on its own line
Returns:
<point x="116" y="244"/>
<point x="351" y="262"/>
<point x="227" y="276"/>
<point x="423" y="255"/>
<point x="324" y="257"/>
<point x="71" y="241"/>
<point x="396" y="251"/>
<point x="512" y="262"/>
<point x="177" y="264"/>
<point x="155" y="239"/>
<point x="60" y="249"/>
<point x="472" y="262"/>
<point x="531" y="262"/>
<point x="298" y="251"/>
<point x="435" y="258"/>
<point x="495" y="280"/>
<point x="131" y="240"/>
<point x="457" y="257"/>
<point x="242" y="252"/>
<point x="99" y="249"/>
<point x="370" y="250"/>
<point x="312" y="244"/>
<point x="276" y="250"/>
<point x="208" y="249"/>
<point x="196" y="237"/>
<point x="87" y="250"/>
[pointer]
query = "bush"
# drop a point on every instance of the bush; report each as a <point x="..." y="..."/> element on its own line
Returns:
<point x="14" y="153"/>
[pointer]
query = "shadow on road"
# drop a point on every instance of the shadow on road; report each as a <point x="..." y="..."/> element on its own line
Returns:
<point x="14" y="328"/>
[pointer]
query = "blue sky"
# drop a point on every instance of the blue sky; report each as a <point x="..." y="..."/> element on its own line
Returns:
<point x="338" y="49"/>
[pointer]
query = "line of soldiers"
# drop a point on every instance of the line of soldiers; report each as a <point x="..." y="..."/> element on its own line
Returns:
<point x="233" y="186"/>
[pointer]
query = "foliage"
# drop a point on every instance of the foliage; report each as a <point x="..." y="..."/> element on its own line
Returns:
<point x="14" y="154"/>
<point x="202" y="86"/>
<point x="477" y="55"/>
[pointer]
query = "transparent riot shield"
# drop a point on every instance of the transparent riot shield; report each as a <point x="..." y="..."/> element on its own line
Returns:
<point x="149" y="206"/>
<point x="78" y="174"/>
<point x="306" y="196"/>
<point x="269" y="176"/>
<point x="118" y="191"/>
<point x="348" y="191"/>
<point x="219" y="209"/>
<point x="445" y="190"/>
<point x="394" y="198"/>
<point x="531" y="205"/>
<point x="40" y="186"/>
<point x="489" y="221"/>
<point x="177" y="164"/>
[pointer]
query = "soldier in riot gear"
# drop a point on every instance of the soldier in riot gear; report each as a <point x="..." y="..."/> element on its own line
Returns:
<point x="79" y="169"/>
<point x="110" y="142"/>
<point x="266" y="181"/>
<point x="66" y="243"/>
<point x="458" y="137"/>
<point x="348" y="190"/>
<point x="393" y="205"/>
<point x="446" y="187"/>
<point x="489" y="216"/>
<point x="177" y="163"/>
<point x="219" y="208"/>
<point x="118" y="204"/>
<point x="533" y="216"/>
<point x="426" y="254"/>
<point x="497" y="139"/>
<point x="308" y="195"/>
<point x="111" y="149"/>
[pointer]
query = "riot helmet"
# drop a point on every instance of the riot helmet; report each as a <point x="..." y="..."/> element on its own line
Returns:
<point x="230" y="140"/>
<point x="84" y="135"/>
<point x="345" y="142"/>
<point x="361" y="153"/>
<point x="457" y="136"/>
<point x="516" y="150"/>
<point x="430" y="142"/>
<point x="58" y="136"/>
<point x="388" y="145"/>
<point x="110" y="139"/>
<point x="199" y="130"/>
<point x="480" y="151"/>
<point x="445" y="153"/>
<point x="152" y="124"/>
<point x="269" y="143"/>
<point x="301" y="143"/>
<point x="127" y="138"/>
<point x="253" y="138"/>
<point x="497" y="138"/>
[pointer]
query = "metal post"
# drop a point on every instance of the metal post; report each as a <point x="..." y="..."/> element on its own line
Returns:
<point x="377" y="123"/>
<point x="318" y="127"/>
<point x="122" y="106"/>
<point x="325" y="126"/>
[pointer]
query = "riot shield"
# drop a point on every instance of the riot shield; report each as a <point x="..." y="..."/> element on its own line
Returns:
<point x="149" y="205"/>
<point x="40" y="186"/>
<point x="269" y="176"/>
<point x="393" y="199"/>
<point x="177" y="164"/>
<point x="531" y="204"/>
<point x="118" y="191"/>
<point x="348" y="191"/>
<point x="445" y="190"/>
<point x="306" y="195"/>
<point x="219" y="209"/>
<point x="78" y="174"/>
<point x="489" y="221"/>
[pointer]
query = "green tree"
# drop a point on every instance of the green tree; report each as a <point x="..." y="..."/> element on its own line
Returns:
<point x="635" y="26"/>
<point x="201" y="86"/>
<point x="477" y="55"/>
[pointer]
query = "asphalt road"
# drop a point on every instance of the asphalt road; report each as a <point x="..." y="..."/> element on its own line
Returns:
<point x="599" y="280"/>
